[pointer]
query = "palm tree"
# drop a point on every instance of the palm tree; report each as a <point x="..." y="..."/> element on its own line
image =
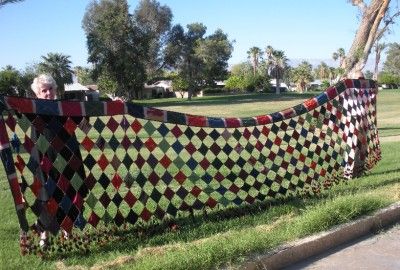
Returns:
<point x="379" y="47"/>
<point x="269" y="51"/>
<point x="302" y="75"/>
<point x="3" y="2"/>
<point x="322" y="71"/>
<point x="59" y="66"/>
<point x="332" y="74"/>
<point x="254" y="54"/>
<point x="277" y="63"/>
<point x="339" y="54"/>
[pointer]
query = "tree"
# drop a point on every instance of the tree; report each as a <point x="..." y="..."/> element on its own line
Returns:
<point x="332" y="74"/>
<point x="302" y="75"/>
<point x="84" y="75"/>
<point x="339" y="54"/>
<point x="322" y="71"/>
<point x="26" y="79"/>
<point x="235" y="82"/>
<point x="242" y="69"/>
<point x="116" y="45"/>
<point x="277" y="63"/>
<point x="14" y="82"/>
<point x="154" y="22"/>
<point x="4" y="2"/>
<point x="179" y="83"/>
<point x="390" y="79"/>
<point x="199" y="60"/>
<point x="375" y="20"/>
<point x="248" y="83"/>
<point x="9" y="81"/>
<point x="59" y="66"/>
<point x="214" y="51"/>
<point x="392" y="63"/>
<point x="191" y="66"/>
<point x="378" y="48"/>
<point x="369" y="75"/>
<point x="106" y="84"/>
<point x="254" y="54"/>
<point x="242" y="78"/>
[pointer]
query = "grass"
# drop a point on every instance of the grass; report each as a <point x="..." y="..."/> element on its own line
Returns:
<point x="238" y="105"/>
<point x="253" y="104"/>
<point x="388" y="120"/>
<point x="225" y="238"/>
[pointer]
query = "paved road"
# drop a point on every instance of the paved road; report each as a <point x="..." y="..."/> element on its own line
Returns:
<point x="379" y="251"/>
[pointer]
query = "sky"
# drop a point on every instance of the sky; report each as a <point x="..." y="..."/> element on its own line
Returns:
<point x="304" y="29"/>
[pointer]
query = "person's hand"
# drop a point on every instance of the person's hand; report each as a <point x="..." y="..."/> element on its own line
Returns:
<point x="118" y="99"/>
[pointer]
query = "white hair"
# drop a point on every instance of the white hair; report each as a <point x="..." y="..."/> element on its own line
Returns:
<point x="43" y="79"/>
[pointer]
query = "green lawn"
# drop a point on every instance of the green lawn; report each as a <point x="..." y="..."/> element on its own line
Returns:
<point x="226" y="237"/>
<point x="237" y="105"/>
<point x="241" y="105"/>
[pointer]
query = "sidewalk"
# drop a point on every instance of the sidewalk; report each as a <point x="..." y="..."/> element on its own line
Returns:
<point x="379" y="251"/>
<point x="328" y="249"/>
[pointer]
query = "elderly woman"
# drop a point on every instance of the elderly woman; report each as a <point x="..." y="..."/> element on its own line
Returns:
<point x="45" y="87"/>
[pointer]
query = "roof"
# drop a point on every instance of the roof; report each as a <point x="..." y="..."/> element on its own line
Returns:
<point x="75" y="87"/>
<point x="162" y="83"/>
<point x="282" y="84"/>
<point x="316" y="82"/>
<point x="92" y="87"/>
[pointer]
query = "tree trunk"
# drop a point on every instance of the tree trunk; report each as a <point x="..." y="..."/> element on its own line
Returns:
<point x="278" y="86"/>
<point x="302" y="86"/>
<point x="366" y="35"/>
<point x="190" y="93"/>
<point x="254" y="65"/>
<point x="378" y="50"/>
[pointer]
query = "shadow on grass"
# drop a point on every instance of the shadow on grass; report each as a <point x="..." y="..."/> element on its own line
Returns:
<point x="352" y="187"/>
<point x="184" y="228"/>
<point x="388" y="128"/>
<point x="384" y="172"/>
<point x="203" y="224"/>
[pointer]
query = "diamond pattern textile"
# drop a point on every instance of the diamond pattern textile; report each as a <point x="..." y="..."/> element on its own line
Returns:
<point x="78" y="164"/>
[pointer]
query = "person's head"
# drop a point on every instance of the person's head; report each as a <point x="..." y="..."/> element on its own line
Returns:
<point x="358" y="75"/>
<point x="44" y="86"/>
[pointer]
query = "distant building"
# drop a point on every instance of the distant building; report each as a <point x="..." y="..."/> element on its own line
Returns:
<point x="164" y="89"/>
<point x="219" y="84"/>
<point x="159" y="89"/>
<point x="77" y="91"/>
<point x="93" y="92"/>
<point x="314" y="85"/>
<point x="282" y="86"/>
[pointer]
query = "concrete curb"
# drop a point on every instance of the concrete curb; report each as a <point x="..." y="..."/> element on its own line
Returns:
<point x="300" y="250"/>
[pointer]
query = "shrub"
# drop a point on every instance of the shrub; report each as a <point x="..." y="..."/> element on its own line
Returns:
<point x="213" y="90"/>
<point x="235" y="83"/>
<point x="247" y="83"/>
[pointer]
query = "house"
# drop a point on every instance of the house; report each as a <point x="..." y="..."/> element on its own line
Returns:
<point x="158" y="89"/>
<point x="282" y="86"/>
<point x="164" y="89"/>
<point x="219" y="84"/>
<point x="77" y="91"/>
<point x="314" y="85"/>
<point x="93" y="93"/>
